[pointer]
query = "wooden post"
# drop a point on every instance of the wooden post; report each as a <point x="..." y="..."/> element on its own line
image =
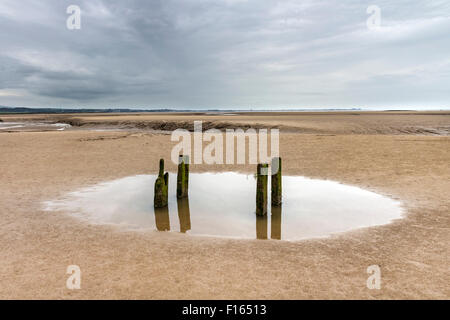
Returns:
<point x="161" y="167"/>
<point x="161" y="187"/>
<point x="183" y="177"/>
<point x="186" y="172"/>
<point x="276" y="195"/>
<point x="261" y="190"/>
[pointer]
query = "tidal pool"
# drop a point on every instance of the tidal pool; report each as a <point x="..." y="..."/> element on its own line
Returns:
<point x="223" y="205"/>
<point x="33" y="126"/>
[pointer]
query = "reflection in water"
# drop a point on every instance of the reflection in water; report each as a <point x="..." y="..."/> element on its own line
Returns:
<point x="184" y="214"/>
<point x="223" y="205"/>
<point x="162" y="219"/>
<point x="275" y="223"/>
<point x="261" y="227"/>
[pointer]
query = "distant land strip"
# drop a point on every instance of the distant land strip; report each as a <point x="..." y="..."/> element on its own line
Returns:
<point x="37" y="110"/>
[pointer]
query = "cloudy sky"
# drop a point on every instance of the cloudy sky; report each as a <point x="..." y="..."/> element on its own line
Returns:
<point x="201" y="54"/>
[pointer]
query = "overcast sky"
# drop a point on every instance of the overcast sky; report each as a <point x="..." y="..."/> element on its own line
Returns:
<point x="200" y="54"/>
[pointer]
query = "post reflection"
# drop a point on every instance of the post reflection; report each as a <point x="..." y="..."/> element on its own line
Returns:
<point x="162" y="219"/>
<point x="184" y="214"/>
<point x="261" y="227"/>
<point x="275" y="223"/>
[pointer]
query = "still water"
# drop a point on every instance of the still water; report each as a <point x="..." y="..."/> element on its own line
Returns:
<point x="223" y="205"/>
<point x="33" y="126"/>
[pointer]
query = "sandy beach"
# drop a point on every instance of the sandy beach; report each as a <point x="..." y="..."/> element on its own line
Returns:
<point x="403" y="155"/>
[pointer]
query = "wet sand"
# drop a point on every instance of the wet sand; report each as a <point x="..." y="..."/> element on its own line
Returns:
<point x="402" y="155"/>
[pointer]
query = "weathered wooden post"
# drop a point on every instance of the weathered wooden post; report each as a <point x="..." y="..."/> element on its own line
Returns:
<point x="161" y="187"/>
<point x="183" y="177"/>
<point x="276" y="195"/>
<point x="261" y="189"/>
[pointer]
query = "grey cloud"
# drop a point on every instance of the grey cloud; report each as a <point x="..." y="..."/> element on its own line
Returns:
<point x="210" y="54"/>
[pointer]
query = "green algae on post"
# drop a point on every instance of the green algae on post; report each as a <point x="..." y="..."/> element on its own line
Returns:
<point x="161" y="187"/>
<point x="183" y="177"/>
<point x="261" y="189"/>
<point x="276" y="194"/>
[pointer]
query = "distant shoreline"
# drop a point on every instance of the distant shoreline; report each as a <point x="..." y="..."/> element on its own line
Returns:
<point x="28" y="110"/>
